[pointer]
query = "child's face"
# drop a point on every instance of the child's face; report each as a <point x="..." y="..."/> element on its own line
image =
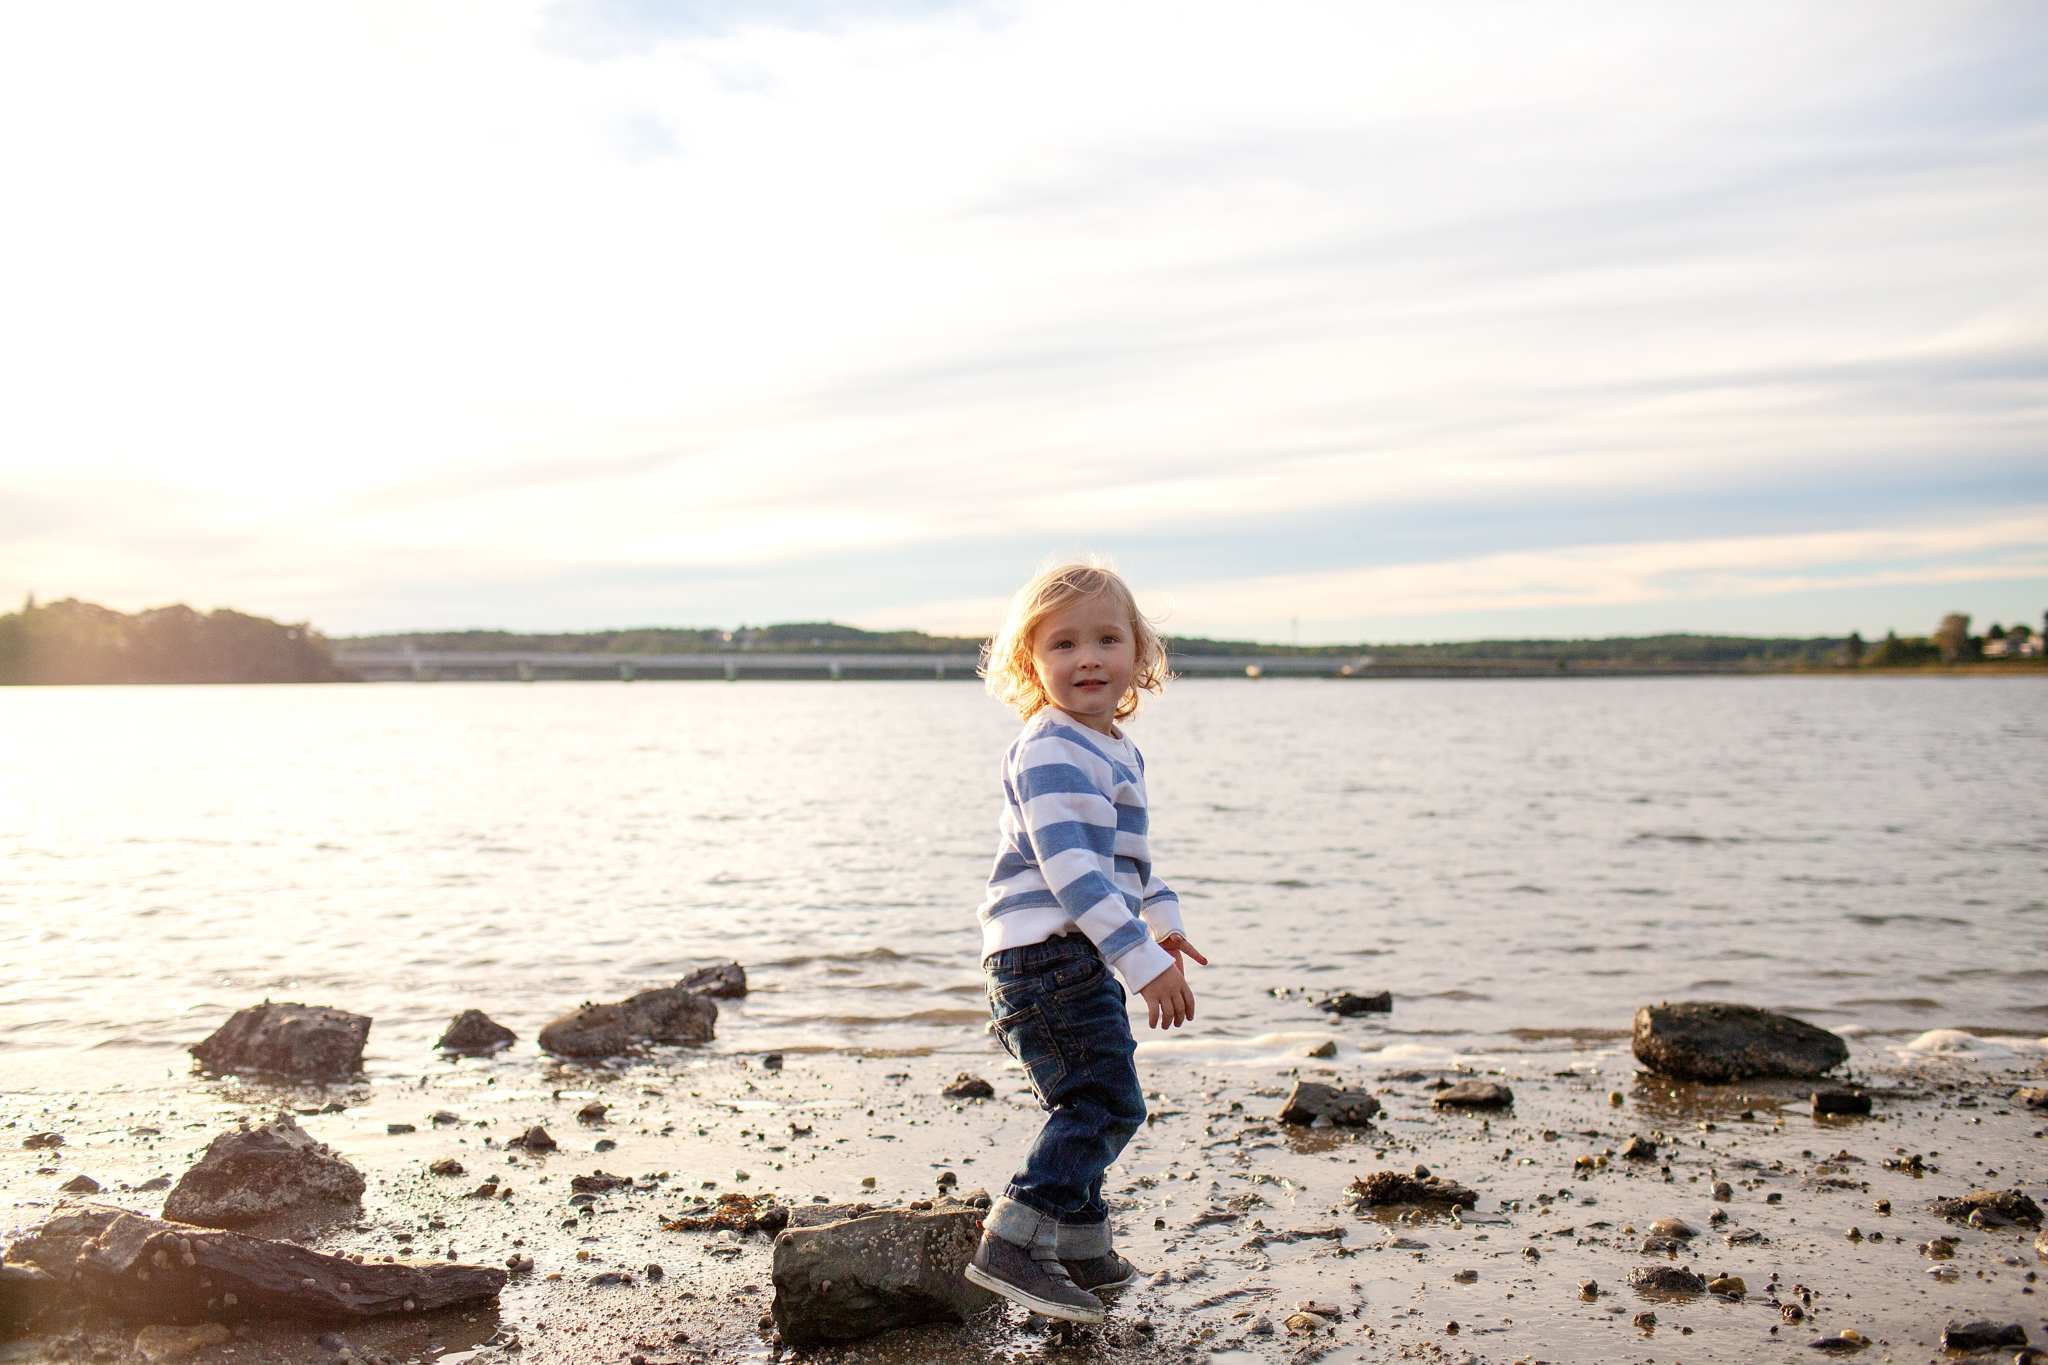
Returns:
<point x="1085" y="656"/>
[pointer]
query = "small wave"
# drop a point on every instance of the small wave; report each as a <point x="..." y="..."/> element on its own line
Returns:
<point x="1580" y="1035"/>
<point x="1911" y="1002"/>
<point x="1960" y="1043"/>
<point x="1682" y="837"/>
<point x="1459" y="995"/>
<point x="1877" y="921"/>
<point x="942" y="1017"/>
<point x="870" y="955"/>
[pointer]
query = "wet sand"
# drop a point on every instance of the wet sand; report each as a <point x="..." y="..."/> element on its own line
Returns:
<point x="1208" y="1192"/>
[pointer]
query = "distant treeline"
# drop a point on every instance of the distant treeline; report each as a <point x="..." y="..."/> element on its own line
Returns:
<point x="798" y="638"/>
<point x="78" y="642"/>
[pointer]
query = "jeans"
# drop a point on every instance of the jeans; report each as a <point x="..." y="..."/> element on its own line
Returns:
<point x="1059" y="1011"/>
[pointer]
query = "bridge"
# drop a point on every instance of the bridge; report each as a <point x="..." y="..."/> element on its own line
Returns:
<point x="424" y="665"/>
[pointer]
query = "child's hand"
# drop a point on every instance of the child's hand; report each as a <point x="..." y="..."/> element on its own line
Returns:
<point x="1168" y="1001"/>
<point x="1177" y="943"/>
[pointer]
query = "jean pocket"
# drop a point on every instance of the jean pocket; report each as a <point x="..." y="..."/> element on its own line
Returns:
<point x="1028" y="1036"/>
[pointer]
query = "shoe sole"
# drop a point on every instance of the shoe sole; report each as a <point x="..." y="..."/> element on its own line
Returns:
<point x="1066" y="1312"/>
<point x="1125" y="1283"/>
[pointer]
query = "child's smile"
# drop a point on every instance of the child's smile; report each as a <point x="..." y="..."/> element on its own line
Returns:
<point x="1085" y="655"/>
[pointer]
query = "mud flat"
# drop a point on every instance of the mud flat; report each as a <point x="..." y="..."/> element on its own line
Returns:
<point x="1238" y="1218"/>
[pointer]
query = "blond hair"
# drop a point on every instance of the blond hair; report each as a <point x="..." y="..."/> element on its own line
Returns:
<point x="1006" y="664"/>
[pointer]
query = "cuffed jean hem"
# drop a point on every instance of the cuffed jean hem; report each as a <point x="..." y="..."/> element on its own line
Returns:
<point x="1021" y="1225"/>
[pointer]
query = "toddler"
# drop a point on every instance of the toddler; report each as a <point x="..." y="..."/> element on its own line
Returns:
<point x="1073" y="897"/>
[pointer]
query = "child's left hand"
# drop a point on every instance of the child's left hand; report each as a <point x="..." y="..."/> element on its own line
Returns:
<point x="1178" y="944"/>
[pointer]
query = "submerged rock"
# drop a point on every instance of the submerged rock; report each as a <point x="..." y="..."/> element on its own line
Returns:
<point x="1309" y="1101"/>
<point x="304" y="1042"/>
<point x="473" y="1031"/>
<point x="1392" y="1187"/>
<point x="1982" y="1335"/>
<point x="669" y="1014"/>
<point x="843" y="1281"/>
<point x="249" y="1173"/>
<point x="725" y="982"/>
<point x="1716" y="1043"/>
<point x="1346" y="1005"/>
<point x="1666" y="1279"/>
<point x="175" y="1272"/>
<point x="2009" y="1204"/>
<point x="1476" y="1095"/>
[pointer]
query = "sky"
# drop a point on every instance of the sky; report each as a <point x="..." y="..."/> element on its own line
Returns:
<point x="1328" y="322"/>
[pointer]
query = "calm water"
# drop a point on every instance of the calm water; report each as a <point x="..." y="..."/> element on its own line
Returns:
<point x="1521" y="862"/>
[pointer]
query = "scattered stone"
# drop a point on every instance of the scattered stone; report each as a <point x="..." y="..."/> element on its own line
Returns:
<point x="1729" y="1285"/>
<point x="1466" y="1277"/>
<point x="847" y="1280"/>
<point x="249" y="1173"/>
<point x="36" y="1142"/>
<point x="1326" y="1048"/>
<point x="2009" y="1204"/>
<point x="444" y="1118"/>
<point x="1723" y="1191"/>
<point x="304" y="1042"/>
<point x="1639" y="1148"/>
<point x="534" y="1139"/>
<point x="772" y="1061"/>
<point x="447" y="1165"/>
<point x="1661" y="1246"/>
<point x="475" y="1033"/>
<point x="163" y="1342"/>
<point x="1673" y="1227"/>
<point x="620" y="1277"/>
<point x="727" y="982"/>
<point x="155" y="1182"/>
<point x="1840" y="1102"/>
<point x="146" y="1267"/>
<point x="1382" y="1188"/>
<point x="1346" y="1005"/>
<point x="968" y="1086"/>
<point x="1841" y="1345"/>
<point x="2031" y="1097"/>
<point x="1589" y="1289"/>
<point x="80" y="1184"/>
<point x="518" y="1264"/>
<point x="1717" y="1043"/>
<point x="1646" y="1320"/>
<point x="669" y="1014"/>
<point x="1304" y="1324"/>
<point x="1476" y="1095"/>
<point x="592" y="1112"/>
<point x="1309" y="1101"/>
<point x="396" y="1129"/>
<point x="1982" y="1335"/>
<point x="1666" y="1279"/>
<point x="1260" y="1326"/>
<point x="599" y="1182"/>
<point x="653" y="1271"/>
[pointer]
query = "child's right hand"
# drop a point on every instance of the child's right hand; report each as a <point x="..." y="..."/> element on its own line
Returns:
<point x="1168" y="1001"/>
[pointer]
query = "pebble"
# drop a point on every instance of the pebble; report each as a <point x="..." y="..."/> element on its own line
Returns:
<point x="1673" y="1227"/>
<point x="1723" y="1190"/>
<point x="1466" y="1277"/>
<point x="1589" y="1289"/>
<point x="1731" y="1285"/>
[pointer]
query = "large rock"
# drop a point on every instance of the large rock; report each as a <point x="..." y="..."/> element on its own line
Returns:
<point x="250" y="1173"/>
<point x="1718" y="1043"/>
<point x="25" y="1292"/>
<point x="149" y="1269"/>
<point x="1309" y="1101"/>
<point x="728" y="981"/>
<point x="669" y="1014"/>
<point x="304" y="1042"/>
<point x="842" y="1281"/>
<point x="473" y="1031"/>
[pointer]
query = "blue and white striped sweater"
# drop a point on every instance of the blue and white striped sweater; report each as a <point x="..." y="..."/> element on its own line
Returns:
<point x="1073" y="852"/>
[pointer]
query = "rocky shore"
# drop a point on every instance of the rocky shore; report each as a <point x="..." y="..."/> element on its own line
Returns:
<point x="1557" y="1206"/>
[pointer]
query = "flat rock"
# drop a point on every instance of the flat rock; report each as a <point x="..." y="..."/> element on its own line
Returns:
<point x="1666" y="1279"/>
<point x="668" y="1014"/>
<point x="1840" y="1102"/>
<point x="304" y="1042"/>
<point x="1982" y="1335"/>
<point x="473" y="1031"/>
<point x="1309" y="1101"/>
<point x="1346" y="1005"/>
<point x="725" y="982"/>
<point x="1476" y="1095"/>
<point x="2009" y="1204"/>
<point x="1382" y="1188"/>
<point x="968" y="1086"/>
<point x="177" y="1273"/>
<point x="250" y="1173"/>
<point x="1716" y="1043"/>
<point x="843" y="1281"/>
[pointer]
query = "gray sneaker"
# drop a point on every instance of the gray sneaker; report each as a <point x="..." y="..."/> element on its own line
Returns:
<point x="1098" y="1273"/>
<point x="1041" y="1286"/>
